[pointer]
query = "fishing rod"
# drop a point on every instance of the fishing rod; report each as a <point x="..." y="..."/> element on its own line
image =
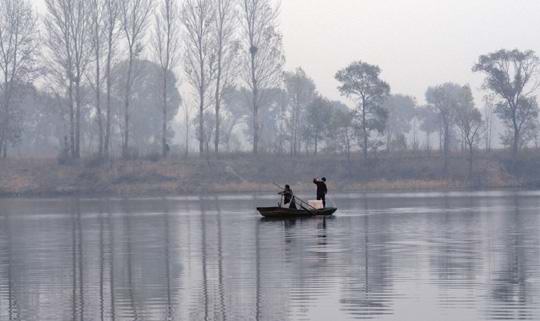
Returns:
<point x="230" y="170"/>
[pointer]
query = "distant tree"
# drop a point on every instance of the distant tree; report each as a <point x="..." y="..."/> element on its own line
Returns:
<point x="361" y="82"/>
<point x="341" y="128"/>
<point x="512" y="76"/>
<point x="300" y="91"/>
<point x="489" y="113"/>
<point x="401" y="111"/>
<point x="134" y="14"/>
<point x="262" y="57"/>
<point x="198" y="20"/>
<point x="429" y="119"/>
<point x="42" y="123"/>
<point x="469" y="123"/>
<point x="269" y="118"/>
<point x="318" y="117"/>
<point x="226" y="52"/>
<point x="147" y="102"/>
<point x="447" y="99"/>
<point x="166" y="45"/>
<point x="18" y="41"/>
<point x="235" y="113"/>
<point x="283" y="121"/>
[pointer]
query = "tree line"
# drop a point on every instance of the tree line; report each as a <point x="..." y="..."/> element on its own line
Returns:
<point x="103" y="77"/>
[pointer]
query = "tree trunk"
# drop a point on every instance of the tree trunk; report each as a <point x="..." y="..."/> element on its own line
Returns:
<point x="471" y="161"/>
<point x="218" y="98"/>
<point x="78" y="116"/>
<point x="71" y="119"/>
<point x="446" y="137"/>
<point x="201" y="123"/>
<point x="5" y="120"/>
<point x="255" y="123"/>
<point x="164" y="148"/>
<point x="515" y="142"/>
<point x="98" y="103"/>
<point x="186" y="114"/>
<point x="107" y="142"/>
<point x="365" y="131"/>
<point x="253" y="52"/>
<point x="316" y="144"/>
<point x="125" y="143"/>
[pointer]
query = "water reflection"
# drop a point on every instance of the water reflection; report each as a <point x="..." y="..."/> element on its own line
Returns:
<point x="451" y="257"/>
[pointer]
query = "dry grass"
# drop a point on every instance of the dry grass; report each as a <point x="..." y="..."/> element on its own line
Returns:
<point x="31" y="177"/>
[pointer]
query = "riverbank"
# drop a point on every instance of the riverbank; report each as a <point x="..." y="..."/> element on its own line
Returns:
<point x="244" y="173"/>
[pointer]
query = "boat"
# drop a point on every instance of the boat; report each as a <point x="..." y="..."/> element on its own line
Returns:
<point x="281" y="212"/>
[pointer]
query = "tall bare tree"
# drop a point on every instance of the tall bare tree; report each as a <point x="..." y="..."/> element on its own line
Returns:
<point x="134" y="15"/>
<point x="99" y="28"/>
<point x="18" y="40"/>
<point x="166" y="43"/>
<point x="226" y="52"/>
<point x="68" y="24"/>
<point x="198" y="20"/>
<point x="262" y="54"/>
<point x="112" y="32"/>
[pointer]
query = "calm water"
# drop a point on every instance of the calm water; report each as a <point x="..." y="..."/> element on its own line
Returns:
<point x="469" y="256"/>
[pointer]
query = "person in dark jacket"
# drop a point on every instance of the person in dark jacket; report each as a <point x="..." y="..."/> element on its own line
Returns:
<point x="288" y="197"/>
<point x="321" y="189"/>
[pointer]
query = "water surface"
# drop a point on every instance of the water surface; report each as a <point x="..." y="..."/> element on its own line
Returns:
<point x="454" y="256"/>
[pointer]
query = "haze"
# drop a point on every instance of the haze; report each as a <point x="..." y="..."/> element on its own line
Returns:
<point x="417" y="43"/>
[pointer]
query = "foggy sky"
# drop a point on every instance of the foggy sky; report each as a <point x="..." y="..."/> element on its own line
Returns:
<point x="417" y="43"/>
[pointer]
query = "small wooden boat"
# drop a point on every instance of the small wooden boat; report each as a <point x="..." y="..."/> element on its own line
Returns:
<point x="280" y="212"/>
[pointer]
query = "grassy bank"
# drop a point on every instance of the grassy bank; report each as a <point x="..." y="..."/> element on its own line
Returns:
<point x="245" y="173"/>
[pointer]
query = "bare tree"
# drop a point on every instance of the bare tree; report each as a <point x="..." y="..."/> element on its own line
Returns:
<point x="166" y="43"/>
<point x="98" y="9"/>
<point x="17" y="57"/>
<point x="262" y="54"/>
<point x="198" y="20"/>
<point x="226" y="51"/>
<point x="134" y="15"/>
<point x="69" y="27"/>
<point x="112" y="28"/>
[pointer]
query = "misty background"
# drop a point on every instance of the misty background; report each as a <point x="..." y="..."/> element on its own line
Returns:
<point x="416" y="45"/>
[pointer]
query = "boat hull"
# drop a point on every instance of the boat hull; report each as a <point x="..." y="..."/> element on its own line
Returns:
<point x="279" y="212"/>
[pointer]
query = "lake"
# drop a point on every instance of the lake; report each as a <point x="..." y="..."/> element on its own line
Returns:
<point x="430" y="256"/>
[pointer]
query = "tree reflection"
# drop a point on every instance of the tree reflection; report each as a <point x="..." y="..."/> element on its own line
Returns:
<point x="213" y="258"/>
<point x="511" y="280"/>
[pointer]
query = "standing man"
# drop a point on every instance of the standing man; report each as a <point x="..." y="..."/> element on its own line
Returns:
<point x="321" y="189"/>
